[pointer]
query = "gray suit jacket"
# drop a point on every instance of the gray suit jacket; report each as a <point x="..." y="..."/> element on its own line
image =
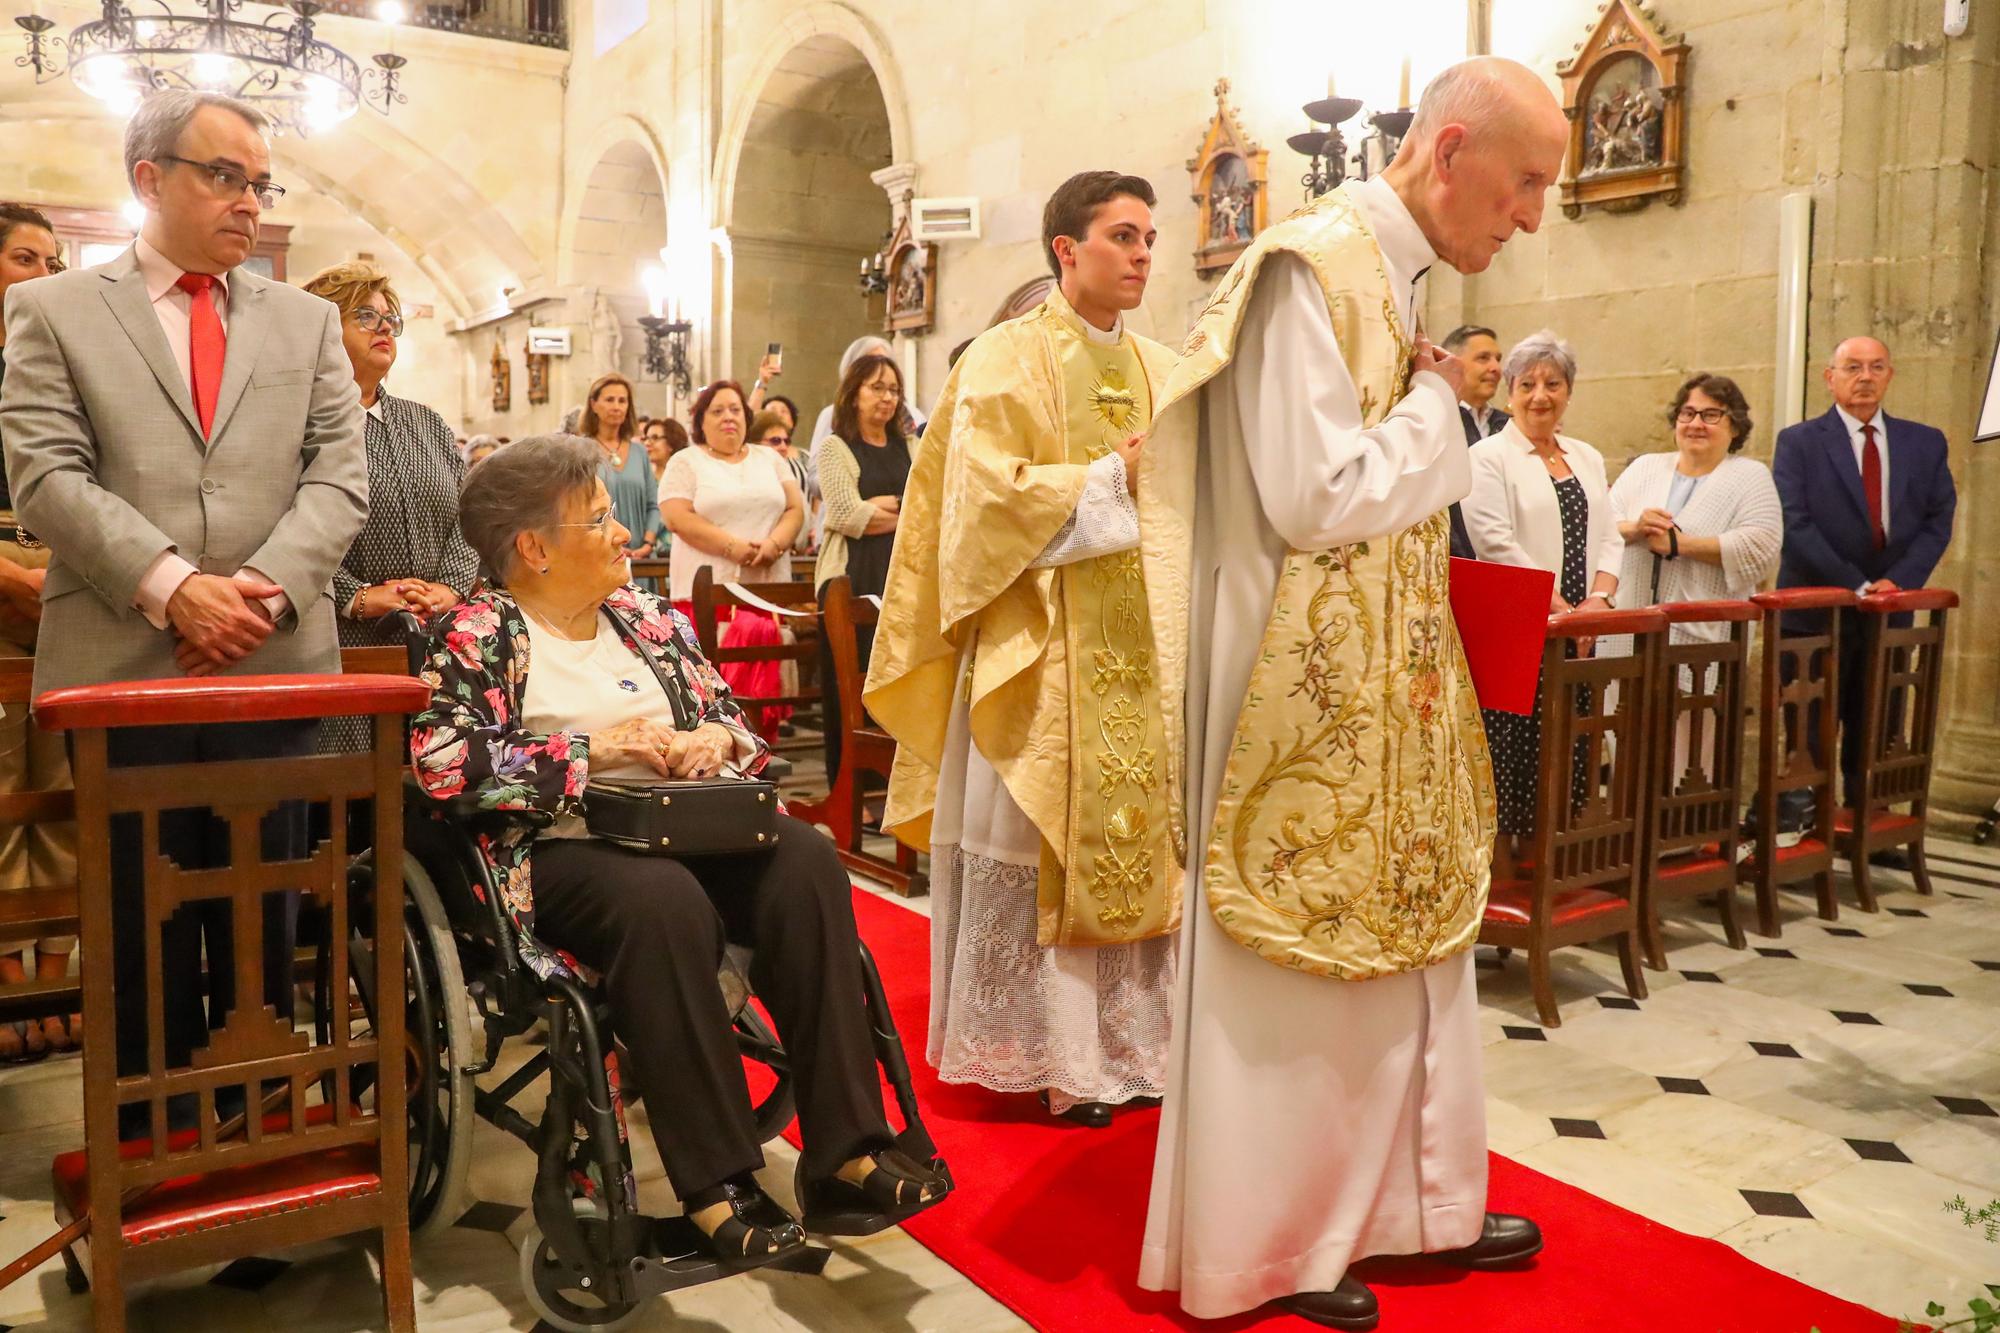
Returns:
<point x="108" y="465"/>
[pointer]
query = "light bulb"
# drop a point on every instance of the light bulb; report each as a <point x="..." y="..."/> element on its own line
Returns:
<point x="390" y="11"/>
<point x="134" y="213"/>
<point x="211" y="69"/>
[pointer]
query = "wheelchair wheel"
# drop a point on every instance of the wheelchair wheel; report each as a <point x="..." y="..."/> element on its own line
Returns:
<point x="440" y="1045"/>
<point x="775" y="1109"/>
<point x="553" y="1291"/>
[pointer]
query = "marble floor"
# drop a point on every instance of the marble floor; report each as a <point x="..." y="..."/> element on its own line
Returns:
<point x="1812" y="1101"/>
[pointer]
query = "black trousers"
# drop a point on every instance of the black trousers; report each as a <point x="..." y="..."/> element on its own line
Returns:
<point x="194" y="840"/>
<point x="656" y="928"/>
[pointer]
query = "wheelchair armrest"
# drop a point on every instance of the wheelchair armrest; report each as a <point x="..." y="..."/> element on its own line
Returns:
<point x="416" y="638"/>
<point x="465" y="809"/>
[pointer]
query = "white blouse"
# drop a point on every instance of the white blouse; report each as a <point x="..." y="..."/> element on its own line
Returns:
<point x="744" y="498"/>
<point x="1512" y="513"/>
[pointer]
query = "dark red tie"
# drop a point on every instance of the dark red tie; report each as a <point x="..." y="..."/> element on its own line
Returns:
<point x="1871" y="482"/>
<point x="206" y="345"/>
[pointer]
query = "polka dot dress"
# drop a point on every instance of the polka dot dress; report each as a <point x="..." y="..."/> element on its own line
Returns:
<point x="1516" y="741"/>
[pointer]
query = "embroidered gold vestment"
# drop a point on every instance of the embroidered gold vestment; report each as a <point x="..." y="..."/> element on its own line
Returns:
<point x="1063" y="681"/>
<point x="1355" y="819"/>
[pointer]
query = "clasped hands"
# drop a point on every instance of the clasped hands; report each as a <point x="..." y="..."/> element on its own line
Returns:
<point x="218" y="621"/>
<point x="1652" y="527"/>
<point x="670" y="752"/>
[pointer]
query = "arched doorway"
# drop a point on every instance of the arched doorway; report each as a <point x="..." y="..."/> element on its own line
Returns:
<point x="802" y="213"/>
<point x="617" y="233"/>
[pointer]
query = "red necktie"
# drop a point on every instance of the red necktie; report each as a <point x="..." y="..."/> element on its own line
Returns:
<point x="205" y="345"/>
<point x="1871" y="482"/>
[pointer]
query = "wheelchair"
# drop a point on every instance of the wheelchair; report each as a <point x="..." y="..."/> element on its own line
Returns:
<point x="591" y="1260"/>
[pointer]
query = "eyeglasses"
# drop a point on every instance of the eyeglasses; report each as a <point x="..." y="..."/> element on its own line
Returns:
<point x="1709" y="416"/>
<point x="1852" y="368"/>
<point x="886" y="390"/>
<point x="602" y="524"/>
<point x="370" y="320"/>
<point x="776" y="438"/>
<point x="229" y="183"/>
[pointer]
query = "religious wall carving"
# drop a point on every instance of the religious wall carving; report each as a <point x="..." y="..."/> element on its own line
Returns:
<point x="912" y="270"/>
<point x="537" y="365"/>
<point x="503" y="379"/>
<point x="1231" y="194"/>
<point x="1625" y="93"/>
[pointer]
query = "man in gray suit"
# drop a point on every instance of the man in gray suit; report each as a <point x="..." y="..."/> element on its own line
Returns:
<point x="187" y="438"/>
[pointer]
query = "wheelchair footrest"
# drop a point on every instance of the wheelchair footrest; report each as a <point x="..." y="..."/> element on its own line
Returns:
<point x="678" y="1258"/>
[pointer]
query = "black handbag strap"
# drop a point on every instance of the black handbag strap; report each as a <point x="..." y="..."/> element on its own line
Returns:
<point x="687" y="709"/>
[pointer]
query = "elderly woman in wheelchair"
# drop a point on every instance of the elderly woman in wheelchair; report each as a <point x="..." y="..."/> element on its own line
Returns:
<point x="557" y="676"/>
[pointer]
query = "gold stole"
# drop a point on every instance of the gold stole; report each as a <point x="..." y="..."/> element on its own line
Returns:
<point x="1120" y="854"/>
<point x="1355" y="817"/>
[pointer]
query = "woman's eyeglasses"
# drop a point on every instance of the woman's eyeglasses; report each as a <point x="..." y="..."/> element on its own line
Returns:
<point x="776" y="438"/>
<point x="1708" y="416"/>
<point x="601" y="524"/>
<point x="370" y="320"/>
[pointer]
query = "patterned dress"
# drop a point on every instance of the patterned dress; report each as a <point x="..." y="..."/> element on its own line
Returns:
<point x="1516" y="741"/>
<point x="468" y="740"/>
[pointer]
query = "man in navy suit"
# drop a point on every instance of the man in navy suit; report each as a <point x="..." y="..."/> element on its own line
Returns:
<point x="1479" y="348"/>
<point x="1868" y="504"/>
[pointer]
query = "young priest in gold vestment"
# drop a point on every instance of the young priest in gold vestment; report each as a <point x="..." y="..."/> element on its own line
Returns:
<point x="1015" y="664"/>
<point x="1325" y="1099"/>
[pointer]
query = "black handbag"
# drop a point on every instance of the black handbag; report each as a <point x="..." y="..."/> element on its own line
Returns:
<point x="689" y="817"/>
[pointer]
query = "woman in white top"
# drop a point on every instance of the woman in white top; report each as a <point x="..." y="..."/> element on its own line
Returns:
<point x="1539" y="500"/>
<point x="734" y="508"/>
<point x="1699" y="522"/>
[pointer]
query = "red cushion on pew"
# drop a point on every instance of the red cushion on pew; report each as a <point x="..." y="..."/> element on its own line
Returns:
<point x="1508" y="904"/>
<point x="187" y="1204"/>
<point x="1677" y="866"/>
<point x="1884" y="822"/>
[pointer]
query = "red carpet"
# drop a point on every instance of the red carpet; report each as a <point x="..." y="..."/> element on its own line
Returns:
<point x="1048" y="1219"/>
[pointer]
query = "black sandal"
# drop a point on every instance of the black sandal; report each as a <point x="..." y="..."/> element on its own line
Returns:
<point x="890" y="1195"/>
<point x="758" y="1230"/>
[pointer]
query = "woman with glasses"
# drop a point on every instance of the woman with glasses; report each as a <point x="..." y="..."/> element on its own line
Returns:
<point x="410" y="556"/>
<point x="1700" y="522"/>
<point x="862" y="466"/>
<point x="770" y="429"/>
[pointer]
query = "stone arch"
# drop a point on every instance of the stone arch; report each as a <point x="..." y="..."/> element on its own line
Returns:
<point x="613" y="230"/>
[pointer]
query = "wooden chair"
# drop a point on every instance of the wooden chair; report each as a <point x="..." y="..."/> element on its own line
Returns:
<point x="282" y="1172"/>
<point x="1696" y="774"/>
<point x="34" y="913"/>
<point x="865" y="748"/>
<point x="1904" y="666"/>
<point x="1583" y="883"/>
<point x="793" y="595"/>
<point x="1798" y="694"/>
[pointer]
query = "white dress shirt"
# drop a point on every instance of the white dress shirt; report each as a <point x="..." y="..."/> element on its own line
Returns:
<point x="1857" y="441"/>
<point x="175" y="308"/>
<point x="1482" y="418"/>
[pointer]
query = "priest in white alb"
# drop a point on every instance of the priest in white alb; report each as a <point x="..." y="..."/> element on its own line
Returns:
<point x="1325" y="1097"/>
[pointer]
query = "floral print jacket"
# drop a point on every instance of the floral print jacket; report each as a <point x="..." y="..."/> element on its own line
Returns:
<point x="468" y="740"/>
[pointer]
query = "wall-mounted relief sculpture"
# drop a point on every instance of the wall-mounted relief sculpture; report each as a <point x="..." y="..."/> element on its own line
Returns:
<point x="1231" y="195"/>
<point x="503" y="379"/>
<point x="537" y="364"/>
<point x="1625" y="93"/>
<point x="912" y="274"/>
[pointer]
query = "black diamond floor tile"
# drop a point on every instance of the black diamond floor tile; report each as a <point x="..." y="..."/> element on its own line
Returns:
<point x="1692" y="1086"/>
<point x="1703" y="976"/>
<point x="1845" y="932"/>
<point x="1776" y="953"/>
<point x="1577" y="1129"/>
<point x="1966" y="1106"/>
<point x="489" y="1216"/>
<point x="1525" y="1034"/>
<point x="1617" y="1002"/>
<point x="1956" y="894"/>
<point x="1773" y="1203"/>
<point x="1875" y="1150"/>
<point x="1777" y="1048"/>
<point x="253" y="1274"/>
<point x="1851" y="1016"/>
<point x="1917" y="988"/>
<point x="1908" y="911"/>
<point x="1988" y="964"/>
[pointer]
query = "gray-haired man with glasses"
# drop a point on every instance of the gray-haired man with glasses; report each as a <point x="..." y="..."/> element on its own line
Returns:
<point x="186" y="437"/>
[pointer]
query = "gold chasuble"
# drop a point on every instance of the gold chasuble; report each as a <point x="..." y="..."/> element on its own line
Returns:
<point x="1355" y="819"/>
<point x="1064" y="684"/>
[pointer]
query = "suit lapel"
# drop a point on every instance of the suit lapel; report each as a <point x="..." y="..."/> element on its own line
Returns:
<point x="244" y="335"/>
<point x="1839" y="447"/>
<point x="1899" y="476"/>
<point x="126" y="295"/>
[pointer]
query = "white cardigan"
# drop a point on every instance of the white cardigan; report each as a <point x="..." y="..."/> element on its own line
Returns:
<point x="1512" y="514"/>
<point x="1737" y="503"/>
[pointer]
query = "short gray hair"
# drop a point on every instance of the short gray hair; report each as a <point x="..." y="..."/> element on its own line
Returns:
<point x="521" y="489"/>
<point x="1465" y="94"/>
<point x="1540" y="349"/>
<point x="156" y="127"/>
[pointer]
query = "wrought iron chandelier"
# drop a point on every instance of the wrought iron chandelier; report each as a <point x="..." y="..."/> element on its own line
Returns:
<point x="303" y="84"/>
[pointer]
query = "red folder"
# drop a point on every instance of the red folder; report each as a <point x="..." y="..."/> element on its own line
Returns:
<point x="1503" y="616"/>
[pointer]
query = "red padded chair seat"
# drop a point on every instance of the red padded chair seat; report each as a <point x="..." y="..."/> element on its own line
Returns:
<point x="1885" y="822"/>
<point x="1677" y="867"/>
<point x="1509" y="902"/>
<point x="188" y="1204"/>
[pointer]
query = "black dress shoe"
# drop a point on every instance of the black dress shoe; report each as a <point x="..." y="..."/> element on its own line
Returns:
<point x="1504" y="1241"/>
<point x="1890" y="858"/>
<point x="1348" y="1306"/>
<point x="1091" y="1115"/>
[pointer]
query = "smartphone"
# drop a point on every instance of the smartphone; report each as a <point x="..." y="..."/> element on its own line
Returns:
<point x="776" y="351"/>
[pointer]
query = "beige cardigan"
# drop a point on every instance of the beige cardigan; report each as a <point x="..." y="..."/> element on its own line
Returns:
<point x="847" y="515"/>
